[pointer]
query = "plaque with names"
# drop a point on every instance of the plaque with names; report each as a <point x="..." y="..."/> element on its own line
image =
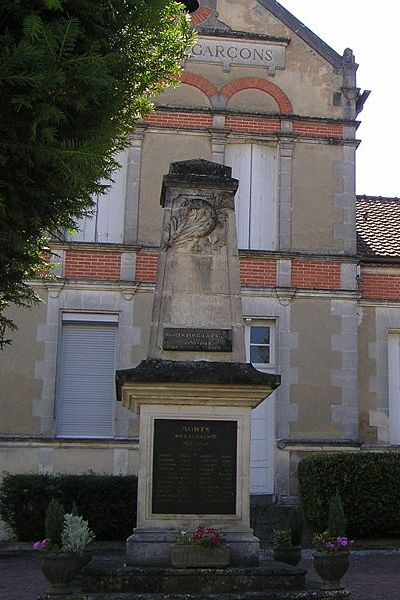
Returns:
<point x="197" y="340"/>
<point x="194" y="467"/>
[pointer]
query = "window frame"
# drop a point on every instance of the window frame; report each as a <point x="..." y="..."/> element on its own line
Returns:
<point x="394" y="386"/>
<point x="263" y="322"/>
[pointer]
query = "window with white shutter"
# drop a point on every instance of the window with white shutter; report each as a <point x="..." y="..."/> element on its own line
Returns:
<point x="260" y="351"/>
<point x="394" y="387"/>
<point x="106" y="223"/>
<point x="255" y="165"/>
<point x="86" y="370"/>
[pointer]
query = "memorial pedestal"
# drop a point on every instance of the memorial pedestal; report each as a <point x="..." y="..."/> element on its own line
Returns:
<point x="194" y="453"/>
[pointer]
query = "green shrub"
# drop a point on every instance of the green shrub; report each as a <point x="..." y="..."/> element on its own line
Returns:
<point x="54" y="521"/>
<point x="296" y="524"/>
<point x="368" y="485"/>
<point x="337" y="521"/>
<point x="107" y="502"/>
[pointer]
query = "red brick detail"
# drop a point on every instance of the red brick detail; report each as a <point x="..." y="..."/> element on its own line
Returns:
<point x="201" y="14"/>
<point x="252" y="124"/>
<point x="315" y="274"/>
<point x="380" y="286"/>
<point x="82" y="264"/>
<point x="199" y="82"/>
<point x="146" y="266"/>
<point x="179" y="120"/>
<point x="258" y="271"/>
<point x="245" y="83"/>
<point x="331" y="130"/>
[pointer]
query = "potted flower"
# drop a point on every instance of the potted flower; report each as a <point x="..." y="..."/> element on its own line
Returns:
<point x="287" y="542"/>
<point x="283" y="548"/>
<point x="204" y="548"/>
<point x="332" y="556"/>
<point x="331" y="559"/>
<point x="64" y="547"/>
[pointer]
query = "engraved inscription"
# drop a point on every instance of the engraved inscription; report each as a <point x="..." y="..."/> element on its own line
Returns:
<point x="197" y="340"/>
<point x="239" y="52"/>
<point x="194" y="467"/>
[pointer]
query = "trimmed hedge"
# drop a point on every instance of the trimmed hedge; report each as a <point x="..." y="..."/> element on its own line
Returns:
<point x="107" y="502"/>
<point x="368" y="484"/>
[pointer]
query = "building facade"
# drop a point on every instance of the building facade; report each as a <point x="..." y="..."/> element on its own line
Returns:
<point x="320" y="271"/>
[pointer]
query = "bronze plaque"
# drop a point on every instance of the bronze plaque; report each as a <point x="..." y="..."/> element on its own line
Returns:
<point x="197" y="340"/>
<point x="194" y="467"/>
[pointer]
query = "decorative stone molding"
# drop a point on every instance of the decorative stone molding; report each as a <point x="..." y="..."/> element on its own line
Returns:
<point x="133" y="185"/>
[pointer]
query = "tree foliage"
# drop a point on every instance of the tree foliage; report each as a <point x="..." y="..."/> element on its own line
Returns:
<point x="75" y="75"/>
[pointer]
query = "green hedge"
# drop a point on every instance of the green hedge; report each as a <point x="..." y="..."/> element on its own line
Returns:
<point x="368" y="484"/>
<point x="107" y="502"/>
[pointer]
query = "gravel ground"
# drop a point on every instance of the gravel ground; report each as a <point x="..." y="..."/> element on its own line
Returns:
<point x="373" y="575"/>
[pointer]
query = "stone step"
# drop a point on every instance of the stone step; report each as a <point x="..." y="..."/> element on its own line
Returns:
<point x="309" y="594"/>
<point x="103" y="576"/>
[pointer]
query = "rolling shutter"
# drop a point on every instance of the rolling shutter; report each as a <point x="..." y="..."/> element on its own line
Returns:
<point x="86" y="380"/>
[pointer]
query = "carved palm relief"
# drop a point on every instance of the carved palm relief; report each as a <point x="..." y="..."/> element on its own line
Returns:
<point x="198" y="223"/>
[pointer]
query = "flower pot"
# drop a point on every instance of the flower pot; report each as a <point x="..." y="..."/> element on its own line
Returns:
<point x="60" y="569"/>
<point x="331" y="566"/>
<point x="287" y="553"/>
<point x="86" y="557"/>
<point x="197" y="556"/>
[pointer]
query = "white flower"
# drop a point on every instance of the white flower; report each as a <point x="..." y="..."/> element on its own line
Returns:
<point x="76" y="534"/>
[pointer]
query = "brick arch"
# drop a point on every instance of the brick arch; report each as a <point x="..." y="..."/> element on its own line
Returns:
<point x="200" y="15"/>
<point x="257" y="83"/>
<point x="199" y="82"/>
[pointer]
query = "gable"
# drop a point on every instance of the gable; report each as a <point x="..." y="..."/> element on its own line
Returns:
<point x="260" y="38"/>
<point x="260" y="16"/>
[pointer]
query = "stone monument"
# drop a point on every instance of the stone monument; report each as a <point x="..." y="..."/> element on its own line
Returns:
<point x="194" y="393"/>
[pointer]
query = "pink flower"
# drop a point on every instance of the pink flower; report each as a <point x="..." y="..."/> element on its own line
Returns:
<point x="41" y="545"/>
<point x="342" y="541"/>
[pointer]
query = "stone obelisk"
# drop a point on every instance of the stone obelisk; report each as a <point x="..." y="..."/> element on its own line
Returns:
<point x="194" y="393"/>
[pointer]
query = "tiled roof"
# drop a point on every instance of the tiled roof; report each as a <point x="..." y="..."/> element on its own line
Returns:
<point x="378" y="226"/>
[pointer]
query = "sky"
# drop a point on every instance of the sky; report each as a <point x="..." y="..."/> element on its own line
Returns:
<point x="371" y="30"/>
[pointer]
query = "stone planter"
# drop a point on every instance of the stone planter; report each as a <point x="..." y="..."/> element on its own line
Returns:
<point x="331" y="566"/>
<point x="287" y="553"/>
<point x="60" y="569"/>
<point x="188" y="556"/>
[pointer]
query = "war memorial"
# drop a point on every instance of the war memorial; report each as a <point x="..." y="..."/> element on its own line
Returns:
<point x="194" y="395"/>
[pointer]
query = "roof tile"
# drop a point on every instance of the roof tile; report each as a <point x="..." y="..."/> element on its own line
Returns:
<point x="378" y="226"/>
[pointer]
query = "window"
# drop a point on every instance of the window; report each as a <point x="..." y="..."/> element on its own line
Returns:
<point x="86" y="375"/>
<point x="260" y="336"/>
<point x="256" y="208"/>
<point x="106" y="224"/>
<point x="394" y="387"/>
<point x="260" y="350"/>
<point x="260" y="344"/>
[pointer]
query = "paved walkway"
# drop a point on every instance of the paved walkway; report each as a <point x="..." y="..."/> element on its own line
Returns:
<point x="373" y="575"/>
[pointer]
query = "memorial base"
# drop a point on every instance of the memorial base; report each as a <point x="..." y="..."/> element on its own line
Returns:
<point x="152" y="547"/>
<point x="108" y="580"/>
